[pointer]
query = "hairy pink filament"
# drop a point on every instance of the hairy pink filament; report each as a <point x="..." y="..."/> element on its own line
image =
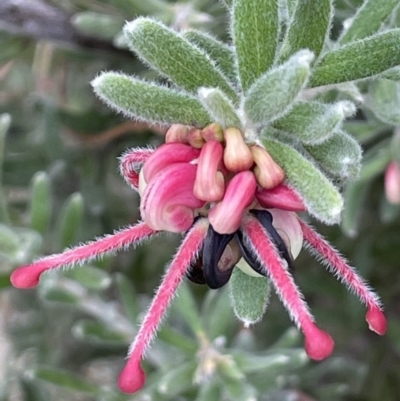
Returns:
<point x="132" y="377"/>
<point x="130" y="164"/>
<point x="28" y="276"/>
<point x="318" y="343"/>
<point x="340" y="268"/>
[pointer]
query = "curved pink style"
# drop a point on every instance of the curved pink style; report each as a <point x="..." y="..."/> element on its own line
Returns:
<point x="130" y="164"/>
<point x="238" y="196"/>
<point x="168" y="202"/>
<point x="132" y="377"/>
<point x="318" y="343"/>
<point x="28" y="276"/>
<point x="166" y="155"/>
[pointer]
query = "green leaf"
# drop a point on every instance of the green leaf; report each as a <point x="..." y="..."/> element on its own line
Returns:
<point x="70" y="220"/>
<point x="384" y="100"/>
<point x="93" y="332"/>
<point x="274" y="93"/>
<point x="395" y="146"/>
<point x="185" y="304"/>
<point x="177" y="380"/>
<point x="255" y="31"/>
<point x="104" y="26"/>
<point x="249" y="296"/>
<point x="392" y="74"/>
<point x="174" y="57"/>
<point x="149" y="102"/>
<point x="354" y="196"/>
<point x="291" y="7"/>
<point x="9" y="240"/>
<point x="340" y="155"/>
<point x="5" y="122"/>
<point x="368" y="20"/>
<point x="90" y="277"/>
<point x="220" y="53"/>
<point x="63" y="378"/>
<point x="219" y="107"/>
<point x="176" y="339"/>
<point x="127" y="297"/>
<point x="321" y="198"/>
<point x="209" y="390"/>
<point x="375" y="160"/>
<point x="41" y="202"/>
<point x="357" y="60"/>
<point x="314" y="122"/>
<point x="309" y="27"/>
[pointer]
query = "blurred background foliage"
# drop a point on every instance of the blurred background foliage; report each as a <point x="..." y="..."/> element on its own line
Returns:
<point x="59" y="150"/>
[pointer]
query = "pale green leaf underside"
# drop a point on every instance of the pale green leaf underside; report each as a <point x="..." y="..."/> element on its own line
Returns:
<point x="368" y="19"/>
<point x="249" y="296"/>
<point x="340" y="155"/>
<point x="255" y="29"/>
<point x="149" y="102"/>
<point x="321" y="198"/>
<point x="384" y="100"/>
<point x="174" y="57"/>
<point x="220" y="53"/>
<point x="308" y="28"/>
<point x="274" y="92"/>
<point x="314" y="122"/>
<point x="219" y="107"/>
<point x="358" y="60"/>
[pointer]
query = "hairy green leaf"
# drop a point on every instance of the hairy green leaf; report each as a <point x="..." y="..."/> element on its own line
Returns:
<point x="149" y="102"/>
<point x="309" y="27"/>
<point x="220" y="53"/>
<point x="321" y="198"/>
<point x="357" y="60"/>
<point x="340" y="155"/>
<point x="313" y="122"/>
<point x="41" y="202"/>
<point x="273" y="94"/>
<point x="384" y="100"/>
<point x="249" y="296"/>
<point x="219" y="107"/>
<point x="369" y="18"/>
<point x="174" y="57"/>
<point x="255" y="31"/>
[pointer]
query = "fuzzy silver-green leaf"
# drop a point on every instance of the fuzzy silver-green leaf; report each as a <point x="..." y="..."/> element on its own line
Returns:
<point x="274" y="93"/>
<point x="255" y="31"/>
<point x="357" y="60"/>
<point x="174" y="57"/>
<point x="321" y="198"/>
<point x="149" y="102"/>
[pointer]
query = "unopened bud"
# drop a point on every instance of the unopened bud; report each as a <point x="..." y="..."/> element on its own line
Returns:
<point x="195" y="139"/>
<point x="392" y="183"/>
<point x="177" y="133"/>
<point x="267" y="172"/>
<point x="237" y="155"/>
<point x="213" y="132"/>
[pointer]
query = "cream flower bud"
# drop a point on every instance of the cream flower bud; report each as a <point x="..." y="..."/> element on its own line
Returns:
<point x="237" y="155"/>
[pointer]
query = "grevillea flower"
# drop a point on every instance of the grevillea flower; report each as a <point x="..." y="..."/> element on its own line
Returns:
<point x="229" y="201"/>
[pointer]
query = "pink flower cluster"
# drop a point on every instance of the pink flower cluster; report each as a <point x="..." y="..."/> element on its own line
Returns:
<point x="229" y="200"/>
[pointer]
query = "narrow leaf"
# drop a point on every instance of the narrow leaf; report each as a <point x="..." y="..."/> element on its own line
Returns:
<point x="255" y="31"/>
<point x="313" y="122"/>
<point x="149" y="102"/>
<point x="94" y="332"/>
<point x="41" y="203"/>
<point x="177" y="380"/>
<point x="273" y="94"/>
<point x="249" y="296"/>
<point x="340" y="155"/>
<point x="291" y="7"/>
<point x="375" y="160"/>
<point x="5" y="122"/>
<point x="357" y="60"/>
<point x="127" y="297"/>
<point x="90" y="277"/>
<point x="220" y="53"/>
<point x="384" y="100"/>
<point x="70" y="220"/>
<point x="219" y="107"/>
<point x="321" y="198"/>
<point x="309" y="27"/>
<point x="174" y="57"/>
<point x="368" y="20"/>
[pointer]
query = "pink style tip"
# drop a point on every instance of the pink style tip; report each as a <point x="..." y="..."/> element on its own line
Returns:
<point x="376" y="320"/>
<point x="318" y="344"/>
<point x="132" y="377"/>
<point x="280" y="197"/>
<point x="26" y="277"/>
